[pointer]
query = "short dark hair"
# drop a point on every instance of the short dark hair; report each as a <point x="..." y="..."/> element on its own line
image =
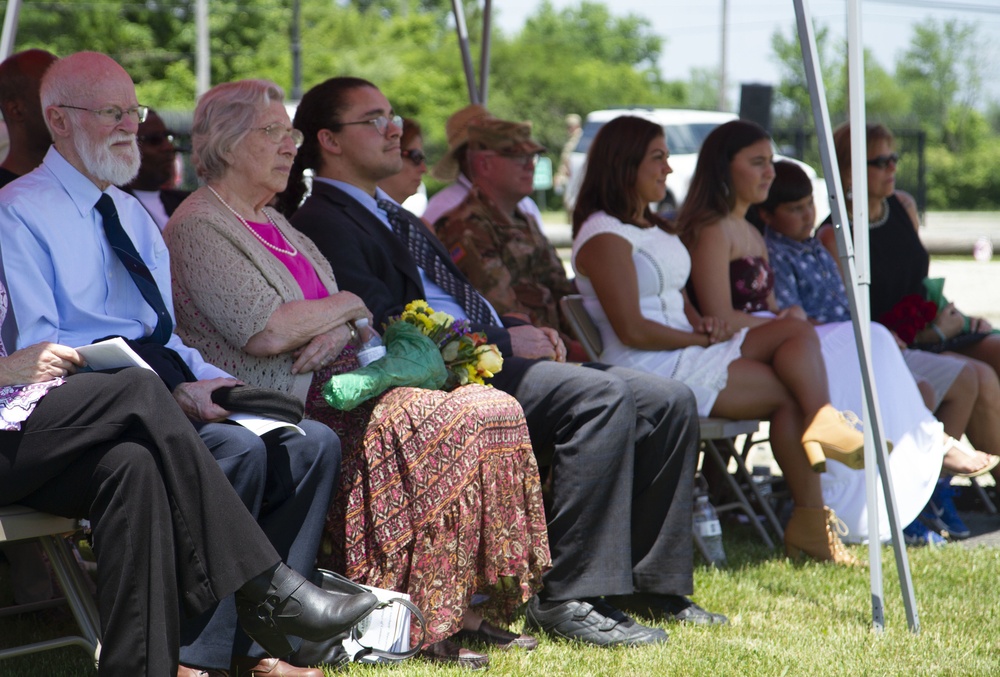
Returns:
<point x="791" y="184"/>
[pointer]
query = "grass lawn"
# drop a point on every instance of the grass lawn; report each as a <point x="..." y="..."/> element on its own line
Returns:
<point x="786" y="619"/>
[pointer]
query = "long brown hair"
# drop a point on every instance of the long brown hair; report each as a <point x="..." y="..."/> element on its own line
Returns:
<point x="612" y="167"/>
<point x="319" y="109"/>
<point x="711" y="196"/>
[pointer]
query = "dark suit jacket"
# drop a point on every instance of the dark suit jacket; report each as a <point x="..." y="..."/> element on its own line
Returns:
<point x="370" y="261"/>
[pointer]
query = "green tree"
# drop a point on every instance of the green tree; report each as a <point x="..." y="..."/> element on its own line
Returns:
<point x="943" y="71"/>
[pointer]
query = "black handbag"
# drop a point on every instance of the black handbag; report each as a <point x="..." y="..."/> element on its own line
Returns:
<point x="332" y="652"/>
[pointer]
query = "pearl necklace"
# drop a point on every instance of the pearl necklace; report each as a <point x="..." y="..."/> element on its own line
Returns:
<point x="287" y="252"/>
<point x="885" y="215"/>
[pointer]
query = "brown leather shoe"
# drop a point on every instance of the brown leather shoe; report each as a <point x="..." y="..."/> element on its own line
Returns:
<point x="493" y="636"/>
<point x="248" y="666"/>
<point x="447" y="651"/>
<point x="185" y="671"/>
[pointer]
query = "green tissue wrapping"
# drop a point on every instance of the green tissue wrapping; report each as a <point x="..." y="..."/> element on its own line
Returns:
<point x="411" y="359"/>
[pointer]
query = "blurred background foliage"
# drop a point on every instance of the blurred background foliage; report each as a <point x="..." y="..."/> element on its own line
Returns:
<point x="570" y="60"/>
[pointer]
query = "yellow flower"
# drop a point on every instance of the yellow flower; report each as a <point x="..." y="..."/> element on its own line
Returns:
<point x="473" y="376"/>
<point x="417" y="305"/>
<point x="442" y="319"/>
<point x="489" y="360"/>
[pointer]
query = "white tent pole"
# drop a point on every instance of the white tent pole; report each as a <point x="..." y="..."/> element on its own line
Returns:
<point x="463" y="46"/>
<point x="484" y="57"/>
<point x="875" y="450"/>
<point x="10" y="19"/>
<point x="202" y="59"/>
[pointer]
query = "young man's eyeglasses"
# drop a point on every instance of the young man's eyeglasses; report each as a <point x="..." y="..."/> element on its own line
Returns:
<point x="414" y="155"/>
<point x="113" y="114"/>
<point x="883" y="161"/>
<point x="381" y="123"/>
<point x="277" y="133"/>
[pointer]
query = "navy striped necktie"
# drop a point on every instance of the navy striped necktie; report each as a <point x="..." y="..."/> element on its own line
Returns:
<point x="137" y="269"/>
<point x="430" y="261"/>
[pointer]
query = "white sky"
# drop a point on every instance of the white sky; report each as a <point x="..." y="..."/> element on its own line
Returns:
<point x="691" y="30"/>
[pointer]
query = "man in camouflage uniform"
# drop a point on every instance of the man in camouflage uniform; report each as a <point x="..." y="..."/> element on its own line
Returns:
<point x="500" y="248"/>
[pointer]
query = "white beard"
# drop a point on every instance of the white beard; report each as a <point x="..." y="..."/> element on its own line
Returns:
<point x="104" y="165"/>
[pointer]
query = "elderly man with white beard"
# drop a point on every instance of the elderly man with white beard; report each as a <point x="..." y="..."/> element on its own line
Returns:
<point x="83" y="260"/>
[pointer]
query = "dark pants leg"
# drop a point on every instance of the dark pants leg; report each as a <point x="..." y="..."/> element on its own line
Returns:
<point x="620" y="518"/>
<point x="286" y="480"/>
<point x="116" y="449"/>
<point x="666" y="455"/>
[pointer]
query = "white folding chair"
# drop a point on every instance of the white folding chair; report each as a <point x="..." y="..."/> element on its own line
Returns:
<point x="19" y="523"/>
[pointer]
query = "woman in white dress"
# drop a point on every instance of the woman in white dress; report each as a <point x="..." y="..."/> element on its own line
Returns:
<point x="732" y="279"/>
<point x="631" y="271"/>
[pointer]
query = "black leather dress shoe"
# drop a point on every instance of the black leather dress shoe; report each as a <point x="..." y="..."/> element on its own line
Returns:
<point x="281" y="602"/>
<point x="591" y="621"/>
<point x="491" y="635"/>
<point x="673" y="608"/>
<point x="447" y="651"/>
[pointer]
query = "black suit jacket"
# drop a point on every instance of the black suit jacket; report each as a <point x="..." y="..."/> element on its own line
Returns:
<point x="370" y="261"/>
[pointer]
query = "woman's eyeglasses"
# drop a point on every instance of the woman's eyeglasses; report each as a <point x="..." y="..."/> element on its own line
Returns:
<point x="414" y="155"/>
<point x="883" y="161"/>
<point x="277" y="133"/>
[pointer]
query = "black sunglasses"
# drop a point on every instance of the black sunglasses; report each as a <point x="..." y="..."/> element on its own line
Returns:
<point x="155" y="139"/>
<point x="414" y="155"/>
<point x="883" y="161"/>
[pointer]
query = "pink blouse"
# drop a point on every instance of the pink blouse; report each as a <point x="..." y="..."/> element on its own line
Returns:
<point x="298" y="266"/>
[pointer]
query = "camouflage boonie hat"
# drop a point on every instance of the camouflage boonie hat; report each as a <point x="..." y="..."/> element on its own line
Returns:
<point x="504" y="137"/>
<point x="456" y="130"/>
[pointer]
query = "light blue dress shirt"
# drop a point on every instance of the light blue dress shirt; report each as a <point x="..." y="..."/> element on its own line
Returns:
<point x="66" y="284"/>
<point x="437" y="298"/>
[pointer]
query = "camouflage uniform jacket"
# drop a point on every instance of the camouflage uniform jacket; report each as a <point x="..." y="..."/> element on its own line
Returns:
<point x="507" y="258"/>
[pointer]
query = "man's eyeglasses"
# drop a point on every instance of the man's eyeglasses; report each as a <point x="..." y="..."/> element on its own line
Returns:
<point x="883" y="161"/>
<point x="278" y="133"/>
<point x="113" y="114"/>
<point x="155" y="139"/>
<point x="381" y="123"/>
<point x="414" y="155"/>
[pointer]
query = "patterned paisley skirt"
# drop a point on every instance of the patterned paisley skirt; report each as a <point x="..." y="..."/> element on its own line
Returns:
<point x="439" y="497"/>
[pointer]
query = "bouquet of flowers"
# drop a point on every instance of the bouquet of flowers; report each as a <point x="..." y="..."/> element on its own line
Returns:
<point x="909" y="316"/>
<point x="424" y="349"/>
<point x="466" y="354"/>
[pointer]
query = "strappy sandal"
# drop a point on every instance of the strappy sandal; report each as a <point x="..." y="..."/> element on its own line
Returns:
<point x="961" y="447"/>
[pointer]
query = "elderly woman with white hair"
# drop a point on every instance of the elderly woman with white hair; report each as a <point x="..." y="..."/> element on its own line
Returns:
<point x="440" y="495"/>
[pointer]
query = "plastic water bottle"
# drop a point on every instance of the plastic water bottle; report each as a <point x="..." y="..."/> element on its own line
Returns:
<point x="370" y="349"/>
<point x="762" y="478"/>
<point x="982" y="251"/>
<point x="706" y="524"/>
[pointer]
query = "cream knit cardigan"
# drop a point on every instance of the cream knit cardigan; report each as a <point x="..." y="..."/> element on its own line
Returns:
<point x="226" y="285"/>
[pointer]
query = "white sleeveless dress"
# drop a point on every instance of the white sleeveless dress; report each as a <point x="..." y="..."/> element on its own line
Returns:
<point x="662" y="266"/>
